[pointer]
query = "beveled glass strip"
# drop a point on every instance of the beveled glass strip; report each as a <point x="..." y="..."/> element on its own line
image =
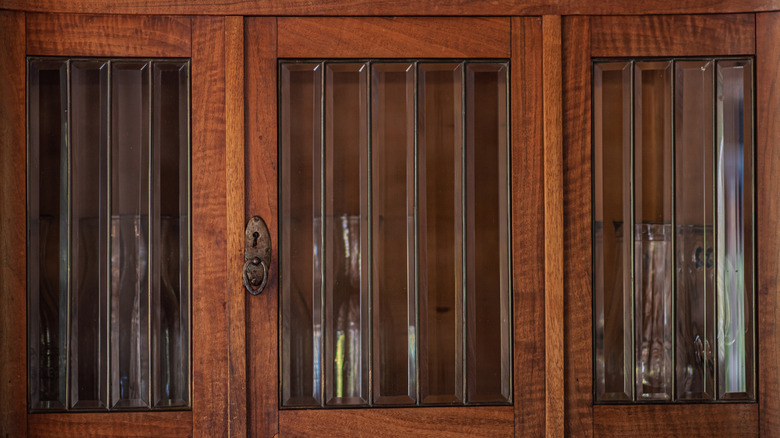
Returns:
<point x="489" y="328"/>
<point x="734" y="229"/>
<point x="346" y="224"/>
<point x="612" y="238"/>
<point x="89" y="230"/>
<point x="300" y="248"/>
<point x="392" y="162"/>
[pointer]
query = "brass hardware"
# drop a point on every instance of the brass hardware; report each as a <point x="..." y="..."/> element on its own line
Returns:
<point x="257" y="255"/>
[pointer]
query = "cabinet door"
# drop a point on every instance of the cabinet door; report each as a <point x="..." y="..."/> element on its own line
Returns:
<point x="145" y="48"/>
<point x="664" y="341"/>
<point x="364" y="49"/>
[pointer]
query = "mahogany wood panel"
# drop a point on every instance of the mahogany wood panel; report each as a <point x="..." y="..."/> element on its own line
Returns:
<point x="553" y="224"/>
<point x="400" y="422"/>
<point x="678" y="420"/>
<point x="13" y="249"/>
<point x="400" y="7"/>
<point x="115" y="424"/>
<point x="234" y="122"/>
<point x="528" y="226"/>
<point x="578" y="334"/>
<point x="768" y="212"/>
<point x="209" y="224"/>
<point x="377" y="37"/>
<point x="108" y="35"/>
<point x="261" y="199"/>
<point x="671" y="35"/>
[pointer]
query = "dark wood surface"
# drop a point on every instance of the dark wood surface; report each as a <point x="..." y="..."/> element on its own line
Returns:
<point x="686" y="35"/>
<point x="234" y="144"/>
<point x="115" y="424"/>
<point x="400" y="422"/>
<point x="108" y="35"/>
<point x="528" y="226"/>
<point x="578" y="345"/>
<point x="382" y="37"/>
<point x="692" y="420"/>
<point x="768" y="215"/>
<point x="209" y="225"/>
<point x="393" y="8"/>
<point x="13" y="248"/>
<point x="553" y="225"/>
<point x="261" y="199"/>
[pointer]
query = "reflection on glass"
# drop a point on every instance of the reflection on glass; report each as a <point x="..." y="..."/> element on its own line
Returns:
<point x="695" y="336"/>
<point x="653" y="232"/>
<point x="392" y="166"/>
<point x="170" y="237"/>
<point x="734" y="196"/>
<point x="47" y="233"/>
<point x="489" y="331"/>
<point x="300" y="109"/>
<point x="346" y="224"/>
<point x="89" y="234"/>
<point x="440" y="169"/>
<point x="612" y="215"/>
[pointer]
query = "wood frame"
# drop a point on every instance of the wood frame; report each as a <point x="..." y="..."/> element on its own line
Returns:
<point x="202" y="39"/>
<point x="461" y="37"/>
<point x="584" y="38"/>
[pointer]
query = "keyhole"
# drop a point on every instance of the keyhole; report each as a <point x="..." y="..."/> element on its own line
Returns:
<point x="255" y="235"/>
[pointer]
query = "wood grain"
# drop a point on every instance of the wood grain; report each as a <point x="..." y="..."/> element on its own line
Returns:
<point x="672" y="35"/>
<point x="553" y="224"/>
<point x="108" y="35"/>
<point x="400" y="422"/>
<point x="528" y="226"/>
<point x="261" y="199"/>
<point x="209" y="224"/>
<point x="768" y="212"/>
<point x="13" y="249"/>
<point x="392" y="8"/>
<point x="234" y="122"/>
<point x="693" y="420"/>
<point x="578" y="337"/>
<point x="115" y="424"/>
<point x="403" y="37"/>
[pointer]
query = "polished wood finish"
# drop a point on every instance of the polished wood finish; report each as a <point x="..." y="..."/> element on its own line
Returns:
<point x="400" y="422"/>
<point x="553" y="225"/>
<point x="261" y="199"/>
<point x="209" y="224"/>
<point x="398" y="37"/>
<point x="768" y="212"/>
<point x="115" y="424"/>
<point x="528" y="226"/>
<point x="234" y="123"/>
<point x="393" y="8"/>
<point x="108" y="35"/>
<point x="686" y="420"/>
<point x="673" y="35"/>
<point x="13" y="244"/>
<point x="578" y="334"/>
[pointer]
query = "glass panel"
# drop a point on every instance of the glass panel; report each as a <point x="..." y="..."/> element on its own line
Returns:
<point x="695" y="337"/>
<point x="612" y="214"/>
<point x="489" y="332"/>
<point x="47" y="230"/>
<point x="440" y="167"/>
<point x="89" y="234"/>
<point x="653" y="230"/>
<point x="300" y="107"/>
<point x="393" y="257"/>
<point x="129" y="234"/>
<point x="346" y="234"/>
<point x="170" y="239"/>
<point x="734" y="221"/>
